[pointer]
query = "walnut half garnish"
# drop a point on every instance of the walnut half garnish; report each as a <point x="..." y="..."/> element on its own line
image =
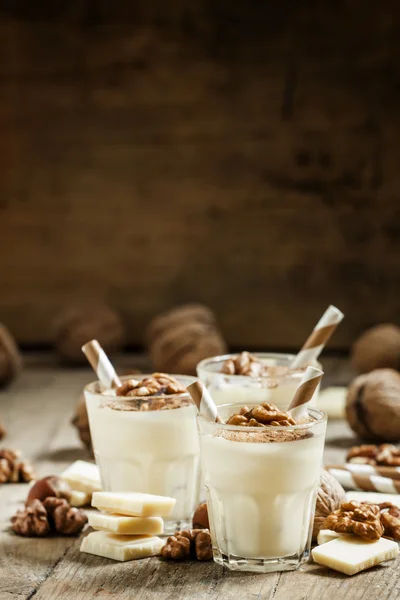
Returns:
<point x="260" y="416"/>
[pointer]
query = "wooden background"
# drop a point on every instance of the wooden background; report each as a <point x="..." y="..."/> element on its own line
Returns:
<point x="242" y="154"/>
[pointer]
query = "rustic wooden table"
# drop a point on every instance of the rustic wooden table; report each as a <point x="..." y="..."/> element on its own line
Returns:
<point x="37" y="412"/>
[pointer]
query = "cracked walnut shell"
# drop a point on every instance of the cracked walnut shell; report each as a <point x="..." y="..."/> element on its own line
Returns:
<point x="354" y="517"/>
<point x="373" y="406"/>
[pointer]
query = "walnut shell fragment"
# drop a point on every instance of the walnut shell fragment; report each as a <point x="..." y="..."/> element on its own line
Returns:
<point x="373" y="406"/>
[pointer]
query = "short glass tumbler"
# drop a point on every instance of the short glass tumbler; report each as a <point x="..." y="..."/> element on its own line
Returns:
<point x="152" y="451"/>
<point x="261" y="490"/>
<point x="277" y="389"/>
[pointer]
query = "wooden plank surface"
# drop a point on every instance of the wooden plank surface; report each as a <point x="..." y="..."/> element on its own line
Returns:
<point x="36" y="411"/>
<point x="226" y="152"/>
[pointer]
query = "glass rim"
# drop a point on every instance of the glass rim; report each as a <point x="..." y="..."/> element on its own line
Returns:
<point x="91" y="387"/>
<point x="212" y="360"/>
<point x="302" y="426"/>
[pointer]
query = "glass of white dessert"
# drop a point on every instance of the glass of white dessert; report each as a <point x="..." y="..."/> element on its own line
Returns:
<point x="257" y="377"/>
<point x="146" y="441"/>
<point x="261" y="483"/>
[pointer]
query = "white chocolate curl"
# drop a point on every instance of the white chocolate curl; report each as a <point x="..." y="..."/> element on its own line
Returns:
<point x="309" y="383"/>
<point x="101" y="364"/>
<point x="204" y="402"/>
<point x="370" y="483"/>
<point x="318" y="338"/>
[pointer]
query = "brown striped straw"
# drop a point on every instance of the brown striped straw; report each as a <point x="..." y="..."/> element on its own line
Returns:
<point x="369" y="483"/>
<point x="318" y="338"/>
<point x="101" y="364"/>
<point x="204" y="402"/>
<point x="361" y="469"/>
<point x="309" y="383"/>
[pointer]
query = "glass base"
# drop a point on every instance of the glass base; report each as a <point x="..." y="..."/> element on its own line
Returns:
<point x="260" y="565"/>
<point x="170" y="527"/>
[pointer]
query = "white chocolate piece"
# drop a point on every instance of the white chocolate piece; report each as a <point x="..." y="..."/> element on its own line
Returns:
<point x="78" y="498"/>
<point x="134" y="504"/>
<point x="324" y="536"/>
<point x="351" y="554"/>
<point x="126" y="525"/>
<point x="83" y="476"/>
<point x="332" y="401"/>
<point x="374" y="497"/>
<point x="121" y="547"/>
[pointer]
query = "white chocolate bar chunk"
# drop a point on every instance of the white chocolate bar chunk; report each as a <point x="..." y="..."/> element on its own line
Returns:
<point x="332" y="401"/>
<point x="121" y="547"/>
<point x="133" y="503"/>
<point x="126" y="525"/>
<point x="78" y="498"/>
<point x="351" y="554"/>
<point x="83" y="476"/>
<point x="374" y="497"/>
<point x="324" y="536"/>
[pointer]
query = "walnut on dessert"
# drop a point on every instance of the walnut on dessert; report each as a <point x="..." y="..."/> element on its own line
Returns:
<point x="372" y="454"/>
<point x="361" y="519"/>
<point x="63" y="517"/>
<point x="156" y="392"/>
<point x="249" y="365"/>
<point x="31" y="521"/>
<point x="244" y="364"/>
<point x="262" y="415"/>
<point x="157" y="384"/>
<point x="190" y="543"/>
<point x="14" y="469"/>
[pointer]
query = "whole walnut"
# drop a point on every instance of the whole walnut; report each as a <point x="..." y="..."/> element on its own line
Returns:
<point x="377" y="348"/>
<point x="10" y="357"/>
<point x="179" y="339"/>
<point x="81" y="421"/>
<point x="329" y="498"/>
<point x="373" y="406"/>
<point x="78" y="325"/>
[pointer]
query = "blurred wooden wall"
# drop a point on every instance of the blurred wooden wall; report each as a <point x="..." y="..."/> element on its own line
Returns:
<point x="242" y="154"/>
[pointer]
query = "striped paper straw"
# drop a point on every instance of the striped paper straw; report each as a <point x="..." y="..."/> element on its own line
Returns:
<point x="369" y="483"/>
<point x="309" y="383"/>
<point x="360" y="469"/>
<point x="204" y="402"/>
<point x="319" y="336"/>
<point x="101" y="365"/>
